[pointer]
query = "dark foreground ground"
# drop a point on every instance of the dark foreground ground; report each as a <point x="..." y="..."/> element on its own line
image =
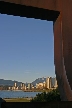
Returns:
<point x="25" y="103"/>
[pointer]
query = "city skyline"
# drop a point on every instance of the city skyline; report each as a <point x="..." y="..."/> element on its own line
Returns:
<point x="26" y="46"/>
<point x="46" y="84"/>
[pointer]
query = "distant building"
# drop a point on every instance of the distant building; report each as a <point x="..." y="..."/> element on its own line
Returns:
<point x="53" y="82"/>
<point x="42" y="78"/>
<point x="9" y="88"/>
<point x="25" y="87"/>
<point x="50" y="82"/>
<point x="40" y="85"/>
<point x="1" y="88"/>
<point x="32" y="87"/>
<point x="19" y="87"/>
<point x="14" y="88"/>
<point x="56" y="85"/>
<point x="36" y="85"/>
<point x="44" y="84"/>
<point x="47" y="83"/>
<point x="15" y="84"/>
<point x="22" y="86"/>
<point x="29" y="86"/>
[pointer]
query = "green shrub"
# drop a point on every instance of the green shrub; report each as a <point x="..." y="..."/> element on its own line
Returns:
<point x="53" y="95"/>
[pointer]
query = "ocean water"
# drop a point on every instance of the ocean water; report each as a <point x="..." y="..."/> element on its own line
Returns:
<point x="17" y="94"/>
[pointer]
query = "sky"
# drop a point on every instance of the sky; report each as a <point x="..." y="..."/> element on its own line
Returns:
<point x="26" y="48"/>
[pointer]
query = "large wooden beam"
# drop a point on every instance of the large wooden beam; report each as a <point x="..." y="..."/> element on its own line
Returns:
<point x="58" y="11"/>
<point x="45" y="4"/>
<point x="63" y="48"/>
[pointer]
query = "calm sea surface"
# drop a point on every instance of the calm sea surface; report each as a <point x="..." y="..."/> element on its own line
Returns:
<point x="17" y="94"/>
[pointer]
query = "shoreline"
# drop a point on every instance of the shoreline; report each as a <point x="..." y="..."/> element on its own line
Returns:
<point x="29" y="90"/>
<point x="21" y="91"/>
<point x="20" y="98"/>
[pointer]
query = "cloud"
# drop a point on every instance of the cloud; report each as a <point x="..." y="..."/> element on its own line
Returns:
<point x="27" y="72"/>
<point x="37" y="73"/>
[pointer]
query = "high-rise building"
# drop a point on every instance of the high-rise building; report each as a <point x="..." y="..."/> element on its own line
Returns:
<point x="21" y="84"/>
<point x="25" y="87"/>
<point x="56" y="85"/>
<point x="53" y="81"/>
<point x="44" y="84"/>
<point x="50" y="82"/>
<point x="36" y="85"/>
<point x="15" y="84"/>
<point x="47" y="83"/>
<point x="29" y="86"/>
<point x="9" y="88"/>
<point x="14" y="88"/>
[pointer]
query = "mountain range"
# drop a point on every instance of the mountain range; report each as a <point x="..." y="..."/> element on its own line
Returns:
<point x="11" y="83"/>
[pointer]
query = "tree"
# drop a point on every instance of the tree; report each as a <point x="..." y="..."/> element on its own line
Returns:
<point x="53" y="95"/>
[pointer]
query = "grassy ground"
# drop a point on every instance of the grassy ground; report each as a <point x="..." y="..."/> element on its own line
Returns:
<point x="18" y="100"/>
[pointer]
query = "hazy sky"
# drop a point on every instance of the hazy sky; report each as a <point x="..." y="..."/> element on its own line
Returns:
<point x="26" y="48"/>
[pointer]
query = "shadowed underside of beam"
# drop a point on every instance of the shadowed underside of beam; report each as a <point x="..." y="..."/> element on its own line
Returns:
<point x="28" y="11"/>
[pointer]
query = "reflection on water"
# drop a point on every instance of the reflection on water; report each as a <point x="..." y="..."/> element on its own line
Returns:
<point x="17" y="94"/>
